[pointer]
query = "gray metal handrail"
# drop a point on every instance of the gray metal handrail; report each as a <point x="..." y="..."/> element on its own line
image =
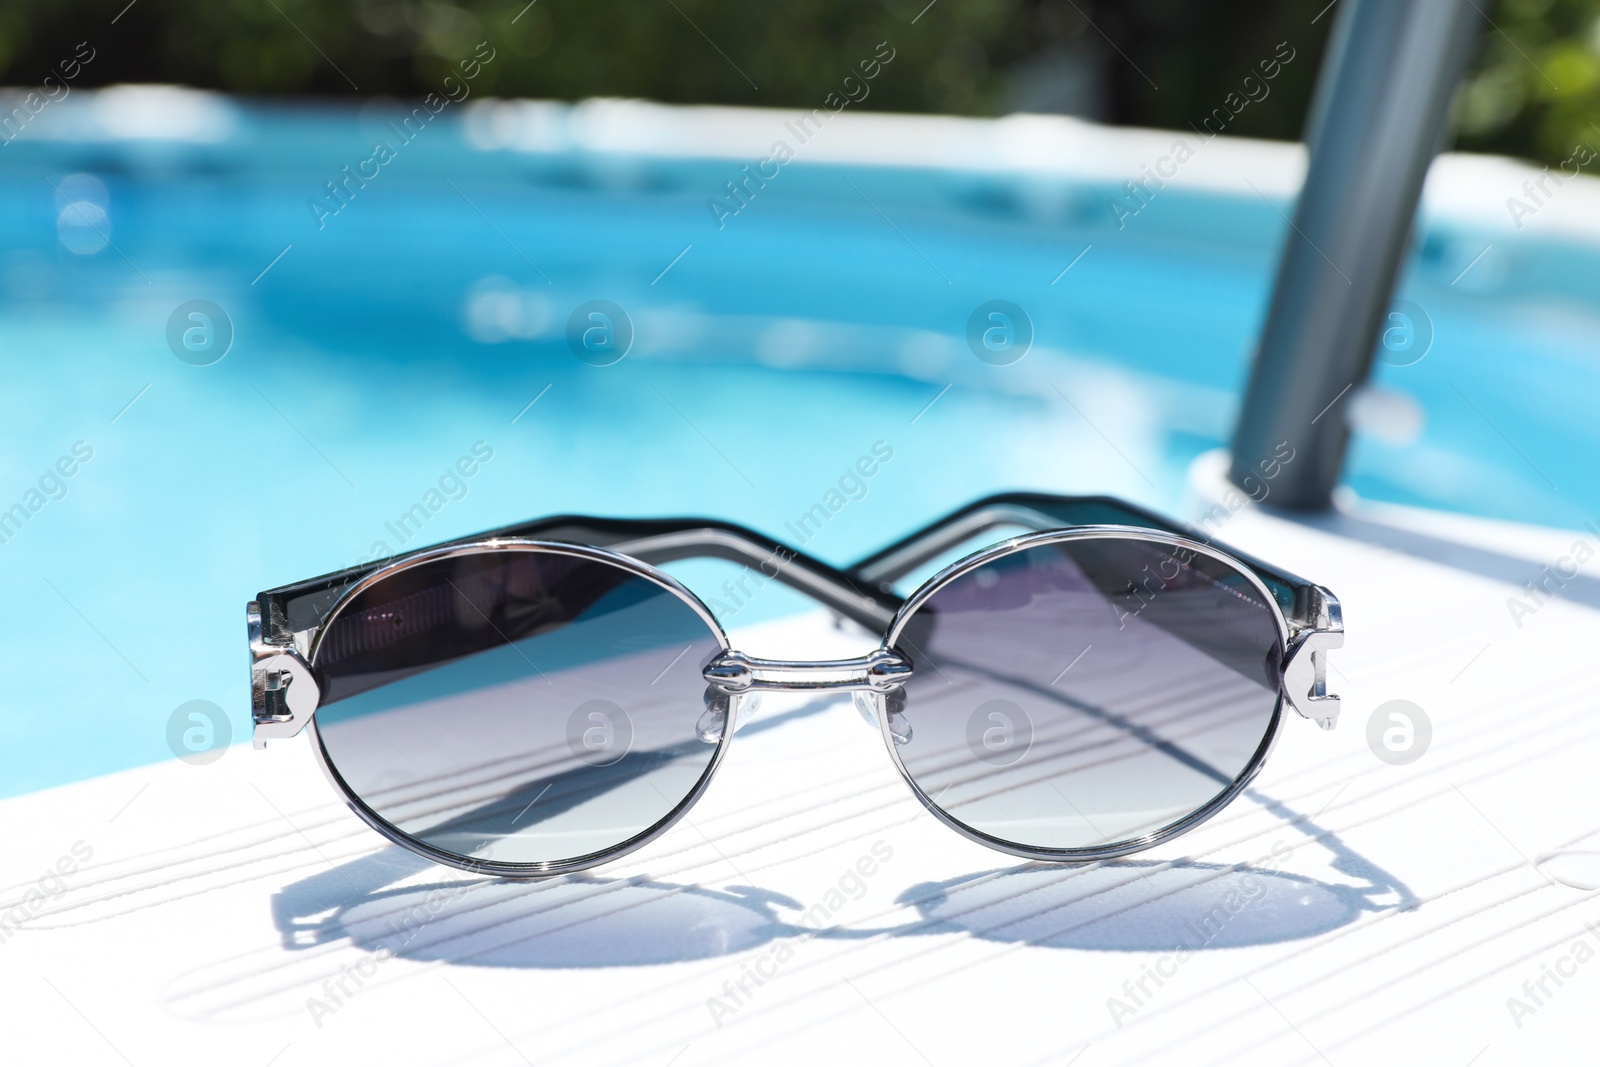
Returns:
<point x="1376" y="122"/>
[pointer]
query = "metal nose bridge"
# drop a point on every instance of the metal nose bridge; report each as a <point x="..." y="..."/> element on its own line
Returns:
<point x="878" y="671"/>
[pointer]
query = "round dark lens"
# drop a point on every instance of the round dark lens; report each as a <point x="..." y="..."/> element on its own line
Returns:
<point x="518" y="705"/>
<point x="1085" y="693"/>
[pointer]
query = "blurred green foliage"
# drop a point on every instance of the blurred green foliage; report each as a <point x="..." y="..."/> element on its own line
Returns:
<point x="1534" y="89"/>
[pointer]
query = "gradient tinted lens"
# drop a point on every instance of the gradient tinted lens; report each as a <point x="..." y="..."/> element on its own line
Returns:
<point x="1088" y="692"/>
<point x="522" y="706"/>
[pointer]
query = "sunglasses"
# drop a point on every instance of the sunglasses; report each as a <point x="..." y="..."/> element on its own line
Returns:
<point x="543" y="698"/>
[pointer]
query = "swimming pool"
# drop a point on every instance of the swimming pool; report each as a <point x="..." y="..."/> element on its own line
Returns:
<point x="426" y="322"/>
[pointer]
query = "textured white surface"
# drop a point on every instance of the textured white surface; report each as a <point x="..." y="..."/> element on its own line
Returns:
<point x="1390" y="912"/>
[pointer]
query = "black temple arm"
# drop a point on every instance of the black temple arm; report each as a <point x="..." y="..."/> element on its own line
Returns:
<point x="304" y="605"/>
<point x="862" y="592"/>
<point x="1300" y="600"/>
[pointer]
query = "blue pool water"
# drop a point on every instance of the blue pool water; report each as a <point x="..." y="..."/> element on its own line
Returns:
<point x="419" y="323"/>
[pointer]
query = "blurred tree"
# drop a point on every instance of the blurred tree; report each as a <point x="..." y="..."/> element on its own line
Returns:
<point x="1535" y="89"/>
<point x="1166" y="63"/>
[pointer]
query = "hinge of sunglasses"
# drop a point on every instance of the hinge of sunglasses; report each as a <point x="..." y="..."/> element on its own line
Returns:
<point x="1305" y="667"/>
<point x="878" y="671"/>
<point x="283" y="692"/>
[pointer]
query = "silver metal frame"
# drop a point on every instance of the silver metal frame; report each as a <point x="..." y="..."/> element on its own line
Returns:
<point x="397" y="836"/>
<point x="1050" y="537"/>
<point x="879" y="671"/>
<point x="285" y="695"/>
